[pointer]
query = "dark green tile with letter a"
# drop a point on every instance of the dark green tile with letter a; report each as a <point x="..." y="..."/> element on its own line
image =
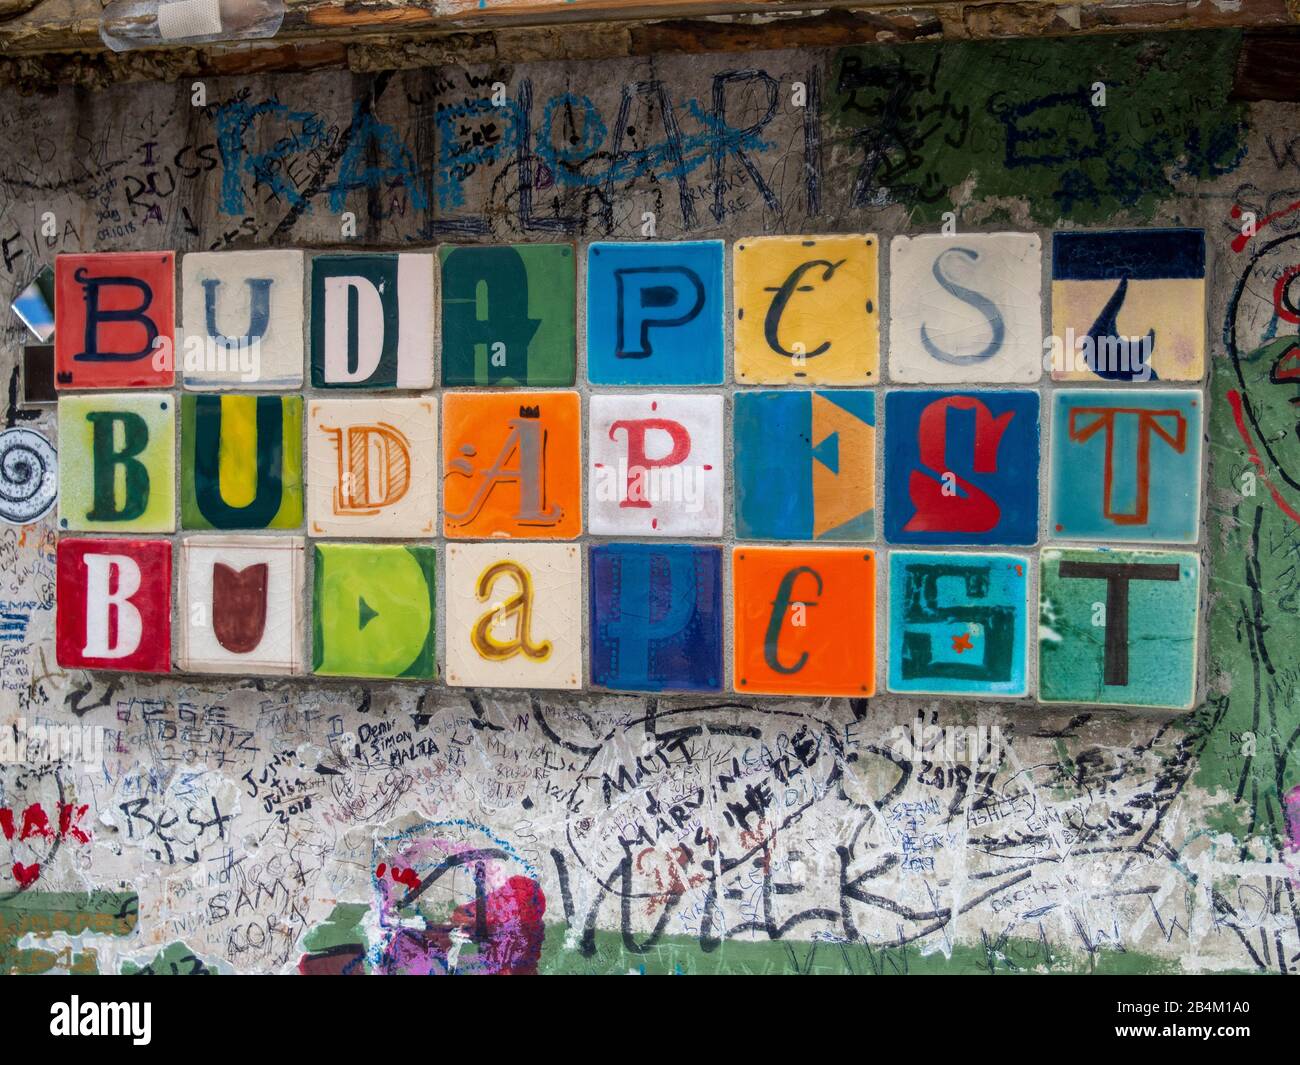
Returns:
<point x="508" y="315"/>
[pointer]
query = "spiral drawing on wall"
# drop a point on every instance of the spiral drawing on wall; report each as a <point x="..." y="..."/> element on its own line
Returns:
<point x="29" y="476"/>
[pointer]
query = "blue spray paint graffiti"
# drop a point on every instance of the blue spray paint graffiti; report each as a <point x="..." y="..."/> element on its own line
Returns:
<point x="572" y="148"/>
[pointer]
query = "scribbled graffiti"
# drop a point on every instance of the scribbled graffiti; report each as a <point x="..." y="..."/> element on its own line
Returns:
<point x="238" y="825"/>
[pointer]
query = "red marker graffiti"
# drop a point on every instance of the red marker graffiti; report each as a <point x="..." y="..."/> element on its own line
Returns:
<point x="1234" y="401"/>
<point x="34" y="823"/>
<point x="1240" y="241"/>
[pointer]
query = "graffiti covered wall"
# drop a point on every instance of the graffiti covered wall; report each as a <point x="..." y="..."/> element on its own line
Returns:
<point x="226" y="824"/>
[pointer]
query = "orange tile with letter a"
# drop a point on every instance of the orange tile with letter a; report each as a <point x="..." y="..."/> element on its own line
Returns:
<point x="804" y="621"/>
<point x="512" y="465"/>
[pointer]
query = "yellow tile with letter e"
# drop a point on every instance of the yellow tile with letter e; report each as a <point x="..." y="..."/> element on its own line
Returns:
<point x="807" y="310"/>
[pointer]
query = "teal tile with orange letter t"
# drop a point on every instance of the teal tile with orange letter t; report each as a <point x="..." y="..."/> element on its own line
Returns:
<point x="1126" y="465"/>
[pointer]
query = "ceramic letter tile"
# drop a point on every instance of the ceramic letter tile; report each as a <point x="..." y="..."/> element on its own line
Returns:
<point x="807" y="310"/>
<point x="957" y="623"/>
<point x="241" y="462"/>
<point x="961" y="467"/>
<point x="514" y="615"/>
<point x="804" y="621"/>
<point x="805" y="465"/>
<point x="1126" y="465"/>
<point x="1118" y="628"/>
<point x="372" y="467"/>
<point x="654" y="313"/>
<point x="1128" y="305"/>
<point x="512" y="465"/>
<point x="113" y="604"/>
<point x="965" y="308"/>
<point x="372" y="321"/>
<point x="508" y="315"/>
<point x="109" y="309"/>
<point x="117" y="463"/>
<point x="373" y="611"/>
<point x="241" y="604"/>
<point x="656" y="465"/>
<point x="656" y="617"/>
<point x="242" y="319"/>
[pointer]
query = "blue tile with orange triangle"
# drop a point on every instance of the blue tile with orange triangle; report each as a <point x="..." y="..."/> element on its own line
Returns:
<point x="805" y="465"/>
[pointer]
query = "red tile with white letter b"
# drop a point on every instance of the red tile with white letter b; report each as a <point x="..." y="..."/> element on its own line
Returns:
<point x="114" y="604"/>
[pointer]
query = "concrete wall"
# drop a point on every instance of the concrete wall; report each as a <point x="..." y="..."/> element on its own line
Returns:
<point x="240" y="826"/>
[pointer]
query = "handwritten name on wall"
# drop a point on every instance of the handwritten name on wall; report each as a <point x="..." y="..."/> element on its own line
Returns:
<point x="326" y="488"/>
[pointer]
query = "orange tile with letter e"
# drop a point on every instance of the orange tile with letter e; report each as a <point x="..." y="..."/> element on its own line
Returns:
<point x="512" y="465"/>
<point x="804" y="621"/>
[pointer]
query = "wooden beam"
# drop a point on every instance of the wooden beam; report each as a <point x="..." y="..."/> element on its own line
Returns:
<point x="58" y="40"/>
<point x="1268" y="67"/>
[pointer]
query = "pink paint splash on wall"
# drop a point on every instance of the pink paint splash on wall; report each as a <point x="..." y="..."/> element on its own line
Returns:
<point x="512" y="919"/>
<point x="1292" y="806"/>
<point x="498" y="930"/>
<point x="1291" y="857"/>
<point x="35" y="830"/>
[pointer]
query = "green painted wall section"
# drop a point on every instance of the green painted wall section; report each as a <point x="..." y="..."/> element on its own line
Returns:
<point x="1080" y="129"/>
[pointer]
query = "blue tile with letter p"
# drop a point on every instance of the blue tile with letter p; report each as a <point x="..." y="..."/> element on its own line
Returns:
<point x="656" y="617"/>
<point x="654" y="313"/>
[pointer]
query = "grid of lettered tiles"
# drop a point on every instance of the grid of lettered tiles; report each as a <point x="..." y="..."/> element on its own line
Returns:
<point x="302" y="499"/>
<point x="908" y="445"/>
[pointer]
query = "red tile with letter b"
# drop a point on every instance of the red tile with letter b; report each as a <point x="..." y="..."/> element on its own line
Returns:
<point x="110" y="308"/>
<point x="114" y="604"/>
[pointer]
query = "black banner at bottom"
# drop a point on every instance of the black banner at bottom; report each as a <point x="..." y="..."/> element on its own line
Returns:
<point x="297" y="1014"/>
